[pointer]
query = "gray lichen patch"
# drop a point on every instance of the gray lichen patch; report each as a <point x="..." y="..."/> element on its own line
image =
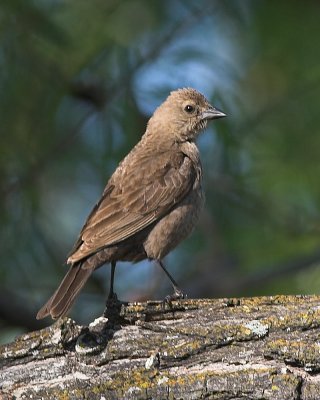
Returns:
<point x="257" y="328"/>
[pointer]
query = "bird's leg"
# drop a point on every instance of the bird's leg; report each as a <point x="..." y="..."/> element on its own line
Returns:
<point x="112" y="295"/>
<point x="177" y="292"/>
<point x="113" y="305"/>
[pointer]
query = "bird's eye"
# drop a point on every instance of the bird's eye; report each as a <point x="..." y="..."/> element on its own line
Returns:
<point x="189" y="108"/>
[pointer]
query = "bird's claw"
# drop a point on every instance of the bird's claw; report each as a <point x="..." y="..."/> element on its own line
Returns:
<point x="177" y="294"/>
<point x="113" y="306"/>
<point x="112" y="300"/>
<point x="112" y="296"/>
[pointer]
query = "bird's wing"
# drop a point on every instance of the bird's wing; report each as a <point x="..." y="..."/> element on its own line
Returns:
<point x="143" y="194"/>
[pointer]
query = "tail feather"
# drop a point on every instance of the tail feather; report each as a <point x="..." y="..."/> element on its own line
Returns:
<point x="61" y="301"/>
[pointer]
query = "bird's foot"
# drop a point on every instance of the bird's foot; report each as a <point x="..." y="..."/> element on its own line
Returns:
<point x="177" y="294"/>
<point x="112" y="300"/>
<point x="113" y="308"/>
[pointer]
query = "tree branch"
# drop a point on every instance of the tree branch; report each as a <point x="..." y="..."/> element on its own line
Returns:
<point x="264" y="347"/>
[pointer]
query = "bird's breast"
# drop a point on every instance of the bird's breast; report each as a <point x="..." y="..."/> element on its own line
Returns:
<point x="176" y="225"/>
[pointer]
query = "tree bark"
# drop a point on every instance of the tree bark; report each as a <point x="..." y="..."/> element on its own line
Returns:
<point x="247" y="348"/>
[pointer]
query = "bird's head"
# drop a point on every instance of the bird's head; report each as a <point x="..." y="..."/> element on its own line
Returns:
<point x="184" y="114"/>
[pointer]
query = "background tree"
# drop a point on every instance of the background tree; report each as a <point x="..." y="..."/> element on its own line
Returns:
<point x="78" y="82"/>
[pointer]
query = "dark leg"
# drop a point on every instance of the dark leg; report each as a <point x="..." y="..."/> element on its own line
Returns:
<point x="113" y="305"/>
<point x="177" y="292"/>
<point x="112" y="295"/>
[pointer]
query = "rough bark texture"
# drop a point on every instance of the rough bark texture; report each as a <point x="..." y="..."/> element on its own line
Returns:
<point x="250" y="348"/>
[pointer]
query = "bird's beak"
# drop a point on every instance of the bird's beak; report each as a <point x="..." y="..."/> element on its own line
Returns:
<point x="213" y="113"/>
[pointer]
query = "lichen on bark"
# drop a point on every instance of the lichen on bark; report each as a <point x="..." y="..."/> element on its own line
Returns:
<point x="257" y="348"/>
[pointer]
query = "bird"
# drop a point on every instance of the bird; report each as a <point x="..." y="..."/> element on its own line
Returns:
<point x="150" y="204"/>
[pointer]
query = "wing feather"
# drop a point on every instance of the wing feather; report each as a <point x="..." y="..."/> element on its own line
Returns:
<point x="131" y="204"/>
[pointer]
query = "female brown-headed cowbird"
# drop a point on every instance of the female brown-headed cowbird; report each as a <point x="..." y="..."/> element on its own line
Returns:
<point x="151" y="202"/>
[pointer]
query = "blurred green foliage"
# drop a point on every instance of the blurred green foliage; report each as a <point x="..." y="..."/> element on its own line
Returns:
<point x="78" y="82"/>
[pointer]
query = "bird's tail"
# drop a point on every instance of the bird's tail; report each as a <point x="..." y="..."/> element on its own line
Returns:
<point x="61" y="301"/>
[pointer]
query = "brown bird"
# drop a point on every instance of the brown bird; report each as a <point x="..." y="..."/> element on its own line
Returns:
<point x="151" y="202"/>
